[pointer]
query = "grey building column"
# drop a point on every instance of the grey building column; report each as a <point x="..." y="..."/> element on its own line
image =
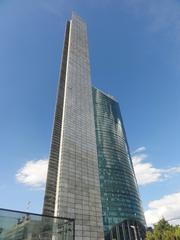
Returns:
<point x="124" y="232"/>
<point x="129" y="230"/>
<point x="117" y="232"/>
<point x="76" y="176"/>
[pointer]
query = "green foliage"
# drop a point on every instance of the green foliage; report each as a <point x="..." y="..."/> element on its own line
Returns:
<point x="177" y="233"/>
<point x="164" y="231"/>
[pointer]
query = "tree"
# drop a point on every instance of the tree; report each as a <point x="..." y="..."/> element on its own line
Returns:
<point x="177" y="233"/>
<point x="164" y="231"/>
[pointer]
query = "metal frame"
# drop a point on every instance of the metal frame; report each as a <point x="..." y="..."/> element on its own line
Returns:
<point x="42" y="215"/>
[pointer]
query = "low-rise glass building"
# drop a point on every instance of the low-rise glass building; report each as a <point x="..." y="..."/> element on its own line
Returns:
<point x="16" y="225"/>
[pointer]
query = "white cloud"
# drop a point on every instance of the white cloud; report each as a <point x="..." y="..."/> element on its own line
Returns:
<point x="33" y="173"/>
<point x="146" y="173"/>
<point x="168" y="207"/>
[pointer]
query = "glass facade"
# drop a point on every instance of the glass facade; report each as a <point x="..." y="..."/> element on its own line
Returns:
<point x="119" y="191"/>
<point x="127" y="230"/>
<point x="73" y="188"/>
<point x="15" y="225"/>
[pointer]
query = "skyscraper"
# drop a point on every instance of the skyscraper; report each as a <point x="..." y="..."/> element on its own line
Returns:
<point x="90" y="173"/>
<point x="73" y="179"/>
<point x="120" y="199"/>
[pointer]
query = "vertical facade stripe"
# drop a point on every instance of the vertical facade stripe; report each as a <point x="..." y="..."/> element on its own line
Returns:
<point x="51" y="183"/>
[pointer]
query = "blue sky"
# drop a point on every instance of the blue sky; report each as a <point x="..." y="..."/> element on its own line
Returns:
<point x="135" y="56"/>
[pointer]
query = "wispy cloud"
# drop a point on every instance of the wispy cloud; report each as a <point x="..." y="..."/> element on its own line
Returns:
<point x="168" y="207"/>
<point x="33" y="173"/>
<point x="53" y="7"/>
<point x="146" y="173"/>
<point x="140" y="149"/>
<point x="163" y="15"/>
<point x="3" y="186"/>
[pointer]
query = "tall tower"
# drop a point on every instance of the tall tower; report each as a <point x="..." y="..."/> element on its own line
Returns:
<point x="72" y="188"/>
<point x="121" y="204"/>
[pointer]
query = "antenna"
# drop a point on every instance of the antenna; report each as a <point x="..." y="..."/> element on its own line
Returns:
<point x="28" y="205"/>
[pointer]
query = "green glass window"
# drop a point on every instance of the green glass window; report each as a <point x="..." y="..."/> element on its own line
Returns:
<point x="119" y="190"/>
